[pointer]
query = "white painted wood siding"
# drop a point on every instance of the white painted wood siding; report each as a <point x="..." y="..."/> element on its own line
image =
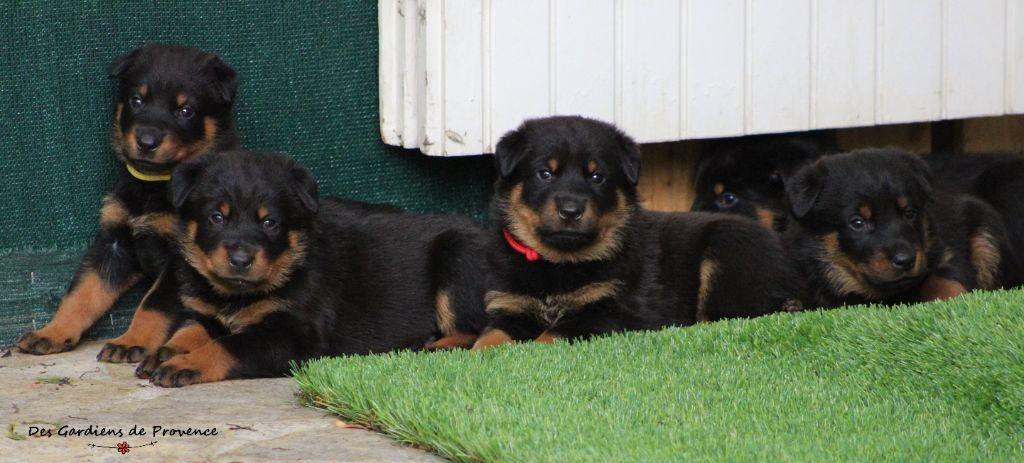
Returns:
<point x="457" y="74"/>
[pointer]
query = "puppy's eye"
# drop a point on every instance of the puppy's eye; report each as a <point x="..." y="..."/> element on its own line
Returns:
<point x="910" y="213"/>
<point x="857" y="223"/>
<point x="135" y="102"/>
<point x="597" y="178"/>
<point x="545" y="175"/>
<point x="186" y="112"/>
<point x="269" y="224"/>
<point x="726" y="200"/>
<point x="217" y="218"/>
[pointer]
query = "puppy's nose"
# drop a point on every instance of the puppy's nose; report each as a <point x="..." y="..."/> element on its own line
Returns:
<point x="240" y="260"/>
<point x="147" y="139"/>
<point x="571" y="210"/>
<point x="903" y="260"/>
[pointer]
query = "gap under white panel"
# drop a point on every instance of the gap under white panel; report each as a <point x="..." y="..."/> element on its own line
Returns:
<point x="912" y="61"/>
<point x="583" y="58"/>
<point x="780" y="66"/>
<point x="520" y="63"/>
<point x="714" y="68"/>
<point x="975" y="57"/>
<point x="844" y="93"/>
<point x="650" y="70"/>
<point x="463" y="79"/>
<point x="390" y="70"/>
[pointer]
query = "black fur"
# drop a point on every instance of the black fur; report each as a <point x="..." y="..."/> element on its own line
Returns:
<point x="354" y="278"/>
<point x="606" y="265"/>
<point x="747" y="176"/>
<point x="124" y="249"/>
<point x="867" y="226"/>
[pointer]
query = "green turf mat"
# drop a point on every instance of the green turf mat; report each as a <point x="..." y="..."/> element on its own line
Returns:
<point x="929" y="382"/>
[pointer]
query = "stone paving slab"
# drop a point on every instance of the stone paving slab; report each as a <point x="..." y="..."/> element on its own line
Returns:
<point x="255" y="420"/>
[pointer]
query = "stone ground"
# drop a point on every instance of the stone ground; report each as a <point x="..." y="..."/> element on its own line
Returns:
<point x="255" y="420"/>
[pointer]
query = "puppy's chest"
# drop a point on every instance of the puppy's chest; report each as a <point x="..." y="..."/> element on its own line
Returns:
<point x="550" y="307"/>
<point x="141" y="212"/>
<point x="236" y="316"/>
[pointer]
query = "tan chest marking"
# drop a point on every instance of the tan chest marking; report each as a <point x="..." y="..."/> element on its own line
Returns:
<point x="553" y="307"/>
<point x="237" y="320"/>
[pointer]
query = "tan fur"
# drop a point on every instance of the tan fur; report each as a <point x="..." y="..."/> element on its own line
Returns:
<point x="718" y="188"/>
<point x="113" y="214"/>
<point x="847" y="276"/>
<point x="865" y="212"/>
<point x="708" y="268"/>
<point x="143" y="90"/>
<point x="148" y="328"/>
<point x="211" y="361"/>
<point x="262" y="213"/>
<point x="273" y="274"/>
<point x="200" y="306"/>
<point x="158" y="223"/>
<point x="551" y="308"/>
<point x="225" y="209"/>
<point x="86" y="303"/>
<point x="591" y="166"/>
<point x="182" y="99"/>
<point x="492" y="338"/>
<point x="251" y="314"/>
<point x="524" y="221"/>
<point x="939" y="288"/>
<point x="188" y="338"/>
<point x="766" y="218"/>
<point x="553" y="164"/>
<point x="902" y="202"/>
<point x="986" y="259"/>
<point x="444" y="313"/>
<point x="454" y="341"/>
<point x="547" y="337"/>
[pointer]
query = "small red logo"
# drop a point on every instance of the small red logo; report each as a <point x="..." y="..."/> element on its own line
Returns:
<point x="123" y="447"/>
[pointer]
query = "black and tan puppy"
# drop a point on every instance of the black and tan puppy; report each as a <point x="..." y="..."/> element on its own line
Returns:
<point x="574" y="256"/>
<point x="997" y="179"/>
<point x="174" y="103"/>
<point x="747" y="176"/>
<point x="276" y="274"/>
<point x="868" y="227"/>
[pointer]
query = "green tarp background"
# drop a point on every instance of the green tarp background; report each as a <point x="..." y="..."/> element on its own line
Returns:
<point x="308" y="73"/>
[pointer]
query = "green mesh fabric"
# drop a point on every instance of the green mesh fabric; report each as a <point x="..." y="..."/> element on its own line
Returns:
<point x="308" y="73"/>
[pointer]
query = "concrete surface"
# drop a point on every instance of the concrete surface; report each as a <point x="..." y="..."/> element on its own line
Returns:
<point x="255" y="420"/>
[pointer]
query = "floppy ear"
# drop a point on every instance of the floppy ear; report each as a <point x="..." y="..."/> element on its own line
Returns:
<point x="922" y="173"/>
<point x="304" y="186"/>
<point x="804" y="187"/>
<point x="510" y="151"/>
<point x="122" y="63"/>
<point x="630" y="158"/>
<point x="183" y="180"/>
<point x="223" y="77"/>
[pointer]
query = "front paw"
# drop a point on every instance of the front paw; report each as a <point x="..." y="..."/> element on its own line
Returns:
<point x="41" y="343"/>
<point x="149" y="364"/>
<point x="115" y="352"/>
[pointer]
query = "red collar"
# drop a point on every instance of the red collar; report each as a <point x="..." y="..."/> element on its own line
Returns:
<point x="530" y="253"/>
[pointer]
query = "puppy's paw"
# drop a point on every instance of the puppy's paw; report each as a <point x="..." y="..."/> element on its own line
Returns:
<point x="42" y="342"/>
<point x="149" y="364"/>
<point x="115" y="352"/>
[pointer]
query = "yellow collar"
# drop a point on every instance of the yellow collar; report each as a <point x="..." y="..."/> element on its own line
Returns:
<point x="147" y="177"/>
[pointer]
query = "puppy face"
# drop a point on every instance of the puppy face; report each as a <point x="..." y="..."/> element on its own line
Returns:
<point x="174" y="102"/>
<point x="867" y="210"/>
<point x="245" y="218"/>
<point x="567" y="187"/>
<point x="747" y="177"/>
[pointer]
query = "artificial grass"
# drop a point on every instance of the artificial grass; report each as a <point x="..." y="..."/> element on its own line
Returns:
<point x="936" y="381"/>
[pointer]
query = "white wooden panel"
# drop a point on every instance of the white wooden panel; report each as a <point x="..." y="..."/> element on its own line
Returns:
<point x="1015" y="56"/>
<point x="650" y="75"/>
<point x="911" y="60"/>
<point x="975" y="57"/>
<point x="412" y="78"/>
<point x="780" y="64"/>
<point x="432" y="103"/>
<point x="844" y="64"/>
<point x="520" y="63"/>
<point x="463" y="129"/>
<point x="584" y="66"/>
<point x="714" y="68"/>
<point x="390" y="65"/>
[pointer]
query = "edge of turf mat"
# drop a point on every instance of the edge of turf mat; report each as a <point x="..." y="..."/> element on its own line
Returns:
<point x="935" y="381"/>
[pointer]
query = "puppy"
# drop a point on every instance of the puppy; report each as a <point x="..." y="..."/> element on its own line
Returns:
<point x="273" y="274"/>
<point x="574" y="256"/>
<point x="174" y="103"/>
<point x="747" y="176"/>
<point x="866" y="227"/>
<point x="997" y="179"/>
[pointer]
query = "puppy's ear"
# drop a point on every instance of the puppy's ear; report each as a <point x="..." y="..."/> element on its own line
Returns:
<point x="304" y="186"/>
<point x="804" y="187"/>
<point x="630" y="158"/>
<point x="510" y="151"/>
<point x="183" y="180"/>
<point x="921" y="172"/>
<point x="222" y="77"/>
<point x="122" y="63"/>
